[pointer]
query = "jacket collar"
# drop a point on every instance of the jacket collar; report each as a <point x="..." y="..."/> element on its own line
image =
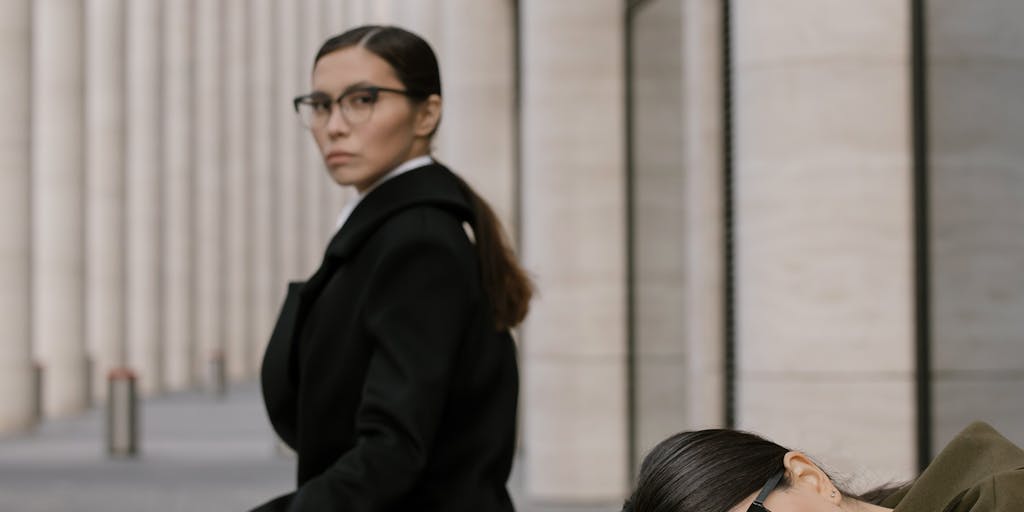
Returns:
<point x="973" y="455"/>
<point x="430" y="185"/>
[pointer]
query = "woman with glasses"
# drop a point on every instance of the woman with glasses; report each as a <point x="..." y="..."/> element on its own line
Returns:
<point x="391" y="372"/>
<point x="733" y="471"/>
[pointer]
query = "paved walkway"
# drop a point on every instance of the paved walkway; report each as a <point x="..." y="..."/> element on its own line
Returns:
<point x="199" y="454"/>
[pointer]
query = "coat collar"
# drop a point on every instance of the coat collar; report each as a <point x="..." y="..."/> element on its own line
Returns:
<point x="430" y="185"/>
<point x="976" y="453"/>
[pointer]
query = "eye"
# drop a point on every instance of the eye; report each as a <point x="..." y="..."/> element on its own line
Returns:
<point x="362" y="98"/>
<point x="319" y="103"/>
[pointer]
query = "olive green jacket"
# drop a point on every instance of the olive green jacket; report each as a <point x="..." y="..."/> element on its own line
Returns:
<point x="978" y="471"/>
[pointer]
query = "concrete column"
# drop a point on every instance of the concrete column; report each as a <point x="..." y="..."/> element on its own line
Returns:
<point x="479" y="98"/>
<point x="975" y="118"/>
<point x="823" y="234"/>
<point x="337" y="20"/>
<point x="659" y="210"/>
<point x="357" y="12"/>
<point x="177" y="265"/>
<point x="58" y="266"/>
<point x="574" y="341"/>
<point x="208" y="185"/>
<point x="289" y="131"/>
<point x="238" y="188"/>
<point x="16" y="407"/>
<point x="105" y="140"/>
<point x="704" y="219"/>
<point x="313" y="173"/>
<point x="677" y="219"/>
<point x="267" y="282"/>
<point x="142" y="180"/>
<point x="423" y="17"/>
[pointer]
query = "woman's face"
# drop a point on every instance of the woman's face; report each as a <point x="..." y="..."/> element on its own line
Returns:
<point x="360" y="154"/>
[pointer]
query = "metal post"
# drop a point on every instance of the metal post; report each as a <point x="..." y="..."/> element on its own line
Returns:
<point x="37" y="390"/>
<point x="122" y="414"/>
<point x="217" y="378"/>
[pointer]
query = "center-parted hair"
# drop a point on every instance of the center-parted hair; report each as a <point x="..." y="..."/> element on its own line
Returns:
<point x="505" y="283"/>
<point x="412" y="59"/>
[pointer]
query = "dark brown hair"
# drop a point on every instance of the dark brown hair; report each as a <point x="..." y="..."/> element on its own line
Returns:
<point x="505" y="283"/>
<point x="714" y="470"/>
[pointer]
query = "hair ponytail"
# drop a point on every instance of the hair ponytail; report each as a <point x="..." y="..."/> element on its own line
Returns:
<point x="505" y="283"/>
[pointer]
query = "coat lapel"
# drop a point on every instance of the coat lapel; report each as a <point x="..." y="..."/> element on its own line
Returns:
<point x="431" y="185"/>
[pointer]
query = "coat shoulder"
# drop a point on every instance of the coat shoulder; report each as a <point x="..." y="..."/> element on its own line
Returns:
<point x="423" y="224"/>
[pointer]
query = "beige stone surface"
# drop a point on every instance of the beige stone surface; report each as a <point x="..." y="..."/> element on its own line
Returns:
<point x="977" y="31"/>
<point x="314" y="174"/>
<point x="105" y="193"/>
<point x="267" y="281"/>
<point x="15" y="238"/>
<point x="662" y="397"/>
<point x="823" y="188"/>
<point x="966" y="396"/>
<point x="824" y="230"/>
<point x="58" y="244"/>
<point x="143" y="167"/>
<point x="815" y="32"/>
<point x="584" y="317"/>
<point x="573" y="239"/>
<point x="574" y="428"/>
<point x="975" y="116"/>
<point x="978" y="299"/>
<point x="291" y="80"/>
<point x="479" y="125"/>
<point x="237" y="195"/>
<point x="177" y="223"/>
<point x="703" y="142"/>
<point x="857" y="423"/>
<point x="208" y="207"/>
<point x="658" y="181"/>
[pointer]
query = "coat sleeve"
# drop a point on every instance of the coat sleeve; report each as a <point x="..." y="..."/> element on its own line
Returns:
<point x="418" y="306"/>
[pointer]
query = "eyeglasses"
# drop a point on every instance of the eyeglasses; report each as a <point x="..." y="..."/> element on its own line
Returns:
<point x="769" y="486"/>
<point x="356" y="105"/>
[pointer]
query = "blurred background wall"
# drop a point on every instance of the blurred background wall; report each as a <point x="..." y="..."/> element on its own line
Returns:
<point x="798" y="217"/>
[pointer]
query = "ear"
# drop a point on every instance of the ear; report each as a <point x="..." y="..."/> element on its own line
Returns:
<point x="803" y="473"/>
<point x="428" y="115"/>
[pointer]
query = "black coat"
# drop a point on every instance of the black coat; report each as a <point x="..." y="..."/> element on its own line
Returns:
<point x="385" y="372"/>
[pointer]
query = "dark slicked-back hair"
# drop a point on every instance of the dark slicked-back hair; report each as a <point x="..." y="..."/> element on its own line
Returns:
<point x="507" y="286"/>
<point x="712" y="471"/>
<point x="410" y="56"/>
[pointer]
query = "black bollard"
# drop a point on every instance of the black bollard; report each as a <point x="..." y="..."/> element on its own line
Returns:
<point x="122" y="414"/>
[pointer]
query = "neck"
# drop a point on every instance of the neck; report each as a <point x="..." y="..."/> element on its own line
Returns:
<point x="860" y="506"/>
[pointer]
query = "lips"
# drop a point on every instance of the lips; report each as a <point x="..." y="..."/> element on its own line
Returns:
<point x="338" y="157"/>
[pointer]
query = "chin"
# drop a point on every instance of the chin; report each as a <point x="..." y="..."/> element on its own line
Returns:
<point x="342" y="176"/>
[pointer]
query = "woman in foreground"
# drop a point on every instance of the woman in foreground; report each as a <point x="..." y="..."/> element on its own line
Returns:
<point x="391" y="371"/>
<point x="733" y="471"/>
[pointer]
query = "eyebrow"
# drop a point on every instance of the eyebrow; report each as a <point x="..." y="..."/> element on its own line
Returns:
<point x="362" y="84"/>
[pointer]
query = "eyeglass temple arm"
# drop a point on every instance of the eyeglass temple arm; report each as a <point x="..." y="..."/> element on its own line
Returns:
<point x="768" y="488"/>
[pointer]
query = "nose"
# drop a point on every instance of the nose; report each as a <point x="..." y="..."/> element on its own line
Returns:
<point x="337" y="125"/>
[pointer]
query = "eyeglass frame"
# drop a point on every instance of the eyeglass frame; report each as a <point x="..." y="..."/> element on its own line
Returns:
<point x="374" y="90"/>
<point x="769" y="486"/>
